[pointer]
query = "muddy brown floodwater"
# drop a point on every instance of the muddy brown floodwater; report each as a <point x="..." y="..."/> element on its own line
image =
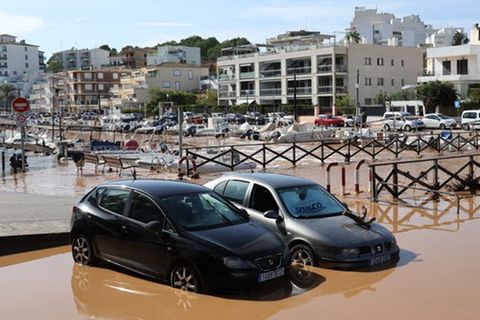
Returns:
<point x="436" y="278"/>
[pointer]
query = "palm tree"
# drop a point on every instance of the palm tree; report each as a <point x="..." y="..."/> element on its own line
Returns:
<point x="459" y="38"/>
<point x="7" y="93"/>
<point x="353" y="36"/>
<point x="438" y="94"/>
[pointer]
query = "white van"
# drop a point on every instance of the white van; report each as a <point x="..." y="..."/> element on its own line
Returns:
<point x="470" y="119"/>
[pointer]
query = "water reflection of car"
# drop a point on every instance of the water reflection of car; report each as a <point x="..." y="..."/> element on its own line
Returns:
<point x="179" y="232"/>
<point x="319" y="229"/>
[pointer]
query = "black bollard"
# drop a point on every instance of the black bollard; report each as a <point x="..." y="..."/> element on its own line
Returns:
<point x="3" y="163"/>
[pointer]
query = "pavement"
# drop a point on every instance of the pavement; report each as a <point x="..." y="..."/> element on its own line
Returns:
<point x="27" y="213"/>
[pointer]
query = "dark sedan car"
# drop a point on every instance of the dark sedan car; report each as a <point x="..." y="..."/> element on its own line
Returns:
<point x="175" y="231"/>
<point x="319" y="229"/>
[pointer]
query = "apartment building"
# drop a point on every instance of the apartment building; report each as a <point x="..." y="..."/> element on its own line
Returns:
<point x="89" y="89"/>
<point x="47" y="92"/>
<point x="84" y="59"/>
<point x="135" y="87"/>
<point x="131" y="58"/>
<point x="317" y="74"/>
<point x="175" y="54"/>
<point x="18" y="58"/>
<point x="459" y="65"/>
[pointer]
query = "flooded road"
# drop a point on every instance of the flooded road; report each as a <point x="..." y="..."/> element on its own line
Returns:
<point x="436" y="278"/>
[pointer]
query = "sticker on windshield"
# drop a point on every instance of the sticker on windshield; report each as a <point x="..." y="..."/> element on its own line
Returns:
<point x="306" y="207"/>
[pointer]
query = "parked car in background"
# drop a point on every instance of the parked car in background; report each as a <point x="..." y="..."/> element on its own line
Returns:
<point x="255" y="118"/>
<point x="179" y="232"/>
<point x="470" y="119"/>
<point x="319" y="229"/>
<point x="403" y="121"/>
<point x="235" y="118"/>
<point x="329" y="120"/>
<point x="439" y="121"/>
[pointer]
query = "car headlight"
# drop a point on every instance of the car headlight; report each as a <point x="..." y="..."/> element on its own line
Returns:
<point x="350" y="252"/>
<point x="237" y="263"/>
<point x="393" y="243"/>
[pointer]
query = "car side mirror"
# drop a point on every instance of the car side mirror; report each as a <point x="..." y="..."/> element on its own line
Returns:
<point x="244" y="213"/>
<point x="272" y="214"/>
<point x="155" y="226"/>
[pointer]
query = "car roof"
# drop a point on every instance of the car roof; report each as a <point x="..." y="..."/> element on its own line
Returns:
<point x="159" y="188"/>
<point x="274" y="180"/>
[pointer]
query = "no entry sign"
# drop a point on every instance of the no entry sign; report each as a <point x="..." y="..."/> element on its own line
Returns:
<point x="20" y="104"/>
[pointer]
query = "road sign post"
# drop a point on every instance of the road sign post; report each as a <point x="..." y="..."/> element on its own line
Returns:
<point x="21" y="106"/>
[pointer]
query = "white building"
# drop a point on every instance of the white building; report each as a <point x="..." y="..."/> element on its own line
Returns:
<point x="83" y="59"/>
<point x="18" y="58"/>
<point x="176" y="54"/>
<point x="383" y="28"/>
<point x="459" y="65"/>
<point x="442" y="37"/>
<point x="317" y="74"/>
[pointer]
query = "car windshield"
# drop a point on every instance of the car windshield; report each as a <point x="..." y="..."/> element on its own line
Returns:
<point x="201" y="211"/>
<point x="442" y="116"/>
<point x="308" y="202"/>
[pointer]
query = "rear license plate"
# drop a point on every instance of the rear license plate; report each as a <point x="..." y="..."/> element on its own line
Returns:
<point x="379" y="260"/>
<point x="271" y="275"/>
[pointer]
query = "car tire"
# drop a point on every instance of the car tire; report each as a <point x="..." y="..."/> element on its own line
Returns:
<point x="302" y="255"/>
<point x="465" y="126"/>
<point x="442" y="126"/>
<point x="184" y="277"/>
<point x="386" y="127"/>
<point x="82" y="250"/>
<point x="408" y="128"/>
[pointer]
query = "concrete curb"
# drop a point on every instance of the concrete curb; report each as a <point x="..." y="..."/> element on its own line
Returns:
<point x="23" y="243"/>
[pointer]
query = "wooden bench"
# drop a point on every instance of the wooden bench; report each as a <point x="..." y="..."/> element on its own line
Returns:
<point x="95" y="159"/>
<point x="118" y="163"/>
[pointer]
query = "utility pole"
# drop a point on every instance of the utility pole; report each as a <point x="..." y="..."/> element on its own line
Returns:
<point x="357" y="105"/>
<point x="295" y="94"/>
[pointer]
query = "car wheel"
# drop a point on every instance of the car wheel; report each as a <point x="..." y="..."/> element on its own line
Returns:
<point x="184" y="277"/>
<point x="442" y="126"/>
<point x="302" y="255"/>
<point x="465" y="126"/>
<point x="408" y="128"/>
<point x="386" y="127"/>
<point x="82" y="250"/>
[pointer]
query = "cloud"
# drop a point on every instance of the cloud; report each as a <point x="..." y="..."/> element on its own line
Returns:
<point x="165" y="24"/>
<point x="14" y="24"/>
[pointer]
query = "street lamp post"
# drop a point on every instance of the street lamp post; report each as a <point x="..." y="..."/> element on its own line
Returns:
<point x="295" y="94"/>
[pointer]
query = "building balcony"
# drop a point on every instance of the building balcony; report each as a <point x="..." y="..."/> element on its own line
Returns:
<point x="270" y="73"/>
<point x="327" y="68"/>
<point x="226" y="77"/>
<point x="247" y="93"/>
<point x="271" y="92"/>
<point x="299" y="71"/>
<point x="300" y="91"/>
<point x="227" y="94"/>
<point x="451" y="78"/>
<point x="325" y="90"/>
<point x="247" y="75"/>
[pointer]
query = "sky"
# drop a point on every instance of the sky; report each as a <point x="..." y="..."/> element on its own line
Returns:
<point x="57" y="25"/>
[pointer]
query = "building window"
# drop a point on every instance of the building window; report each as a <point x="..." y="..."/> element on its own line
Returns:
<point x="368" y="81"/>
<point x="368" y="101"/>
<point x="100" y="75"/>
<point x="178" y="85"/>
<point x="379" y="61"/>
<point x="403" y="82"/>
<point x="87" y="75"/>
<point x="177" y="73"/>
<point x="101" y="87"/>
<point x="4" y="48"/>
<point x="380" y="82"/>
<point x="88" y="87"/>
<point x="26" y="64"/>
<point x="368" y="61"/>
<point x="166" y="84"/>
<point x="462" y="66"/>
<point x="26" y="57"/>
<point x="115" y="76"/>
<point x="402" y="63"/>
<point x="26" y="49"/>
<point x="392" y="82"/>
<point x="447" y="68"/>
<point x="392" y="62"/>
<point x="190" y="74"/>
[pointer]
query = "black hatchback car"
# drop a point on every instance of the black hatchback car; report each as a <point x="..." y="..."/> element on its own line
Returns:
<point x="175" y="231"/>
<point x="319" y="229"/>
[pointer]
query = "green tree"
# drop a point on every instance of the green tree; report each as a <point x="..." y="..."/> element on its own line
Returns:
<point x="474" y="92"/>
<point x="209" y="98"/>
<point x="353" y="36"/>
<point x="8" y="92"/>
<point x="54" y="65"/>
<point x="404" y="95"/>
<point x="437" y="93"/>
<point x="459" y="38"/>
<point x="179" y="98"/>
<point x="105" y="47"/>
<point x="344" y="105"/>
